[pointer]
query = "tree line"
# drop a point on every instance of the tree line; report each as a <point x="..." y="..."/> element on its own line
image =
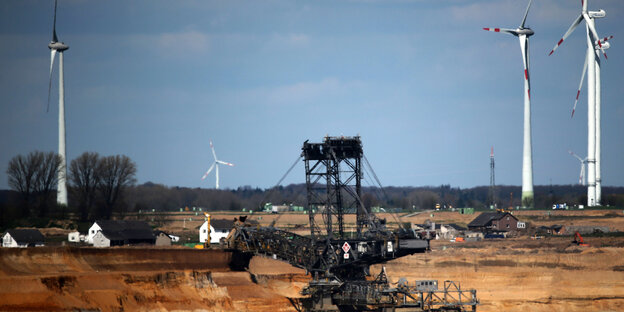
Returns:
<point x="103" y="187"/>
<point x="95" y="184"/>
<point x="158" y="197"/>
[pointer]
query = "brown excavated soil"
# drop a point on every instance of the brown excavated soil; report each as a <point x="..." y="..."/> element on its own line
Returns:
<point x="525" y="275"/>
<point x="518" y="274"/>
<point x="140" y="279"/>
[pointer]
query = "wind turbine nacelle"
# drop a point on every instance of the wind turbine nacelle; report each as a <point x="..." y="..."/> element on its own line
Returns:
<point x="605" y="45"/>
<point x="58" y="46"/>
<point x="597" y="14"/>
<point x="525" y="31"/>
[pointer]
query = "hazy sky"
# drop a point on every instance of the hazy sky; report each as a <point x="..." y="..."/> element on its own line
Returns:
<point x="426" y="88"/>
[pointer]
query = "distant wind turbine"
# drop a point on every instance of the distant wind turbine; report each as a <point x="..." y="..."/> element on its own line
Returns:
<point x="215" y="164"/>
<point x="56" y="46"/>
<point x="523" y="34"/>
<point x="582" y="178"/>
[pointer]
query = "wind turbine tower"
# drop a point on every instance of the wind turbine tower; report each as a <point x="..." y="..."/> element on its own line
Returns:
<point x="592" y="61"/>
<point x="56" y="46"/>
<point x="523" y="34"/>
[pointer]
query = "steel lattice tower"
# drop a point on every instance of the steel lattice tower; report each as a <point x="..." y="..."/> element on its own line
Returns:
<point x="333" y="181"/>
<point x="492" y="195"/>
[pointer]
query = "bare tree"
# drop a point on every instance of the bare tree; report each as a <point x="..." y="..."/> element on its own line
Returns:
<point x="21" y="173"/>
<point x="115" y="174"/>
<point x="47" y="180"/>
<point x="84" y="177"/>
<point x="34" y="176"/>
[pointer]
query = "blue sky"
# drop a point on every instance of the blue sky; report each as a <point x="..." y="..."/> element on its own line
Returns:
<point x="427" y="89"/>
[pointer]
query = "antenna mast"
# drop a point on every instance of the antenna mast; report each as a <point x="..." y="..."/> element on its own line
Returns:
<point x="492" y="195"/>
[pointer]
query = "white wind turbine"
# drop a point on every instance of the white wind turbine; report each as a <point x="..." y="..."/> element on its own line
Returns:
<point x="56" y="46"/>
<point x="215" y="165"/>
<point x="582" y="178"/>
<point x="523" y="34"/>
<point x="593" y="98"/>
<point x="605" y="45"/>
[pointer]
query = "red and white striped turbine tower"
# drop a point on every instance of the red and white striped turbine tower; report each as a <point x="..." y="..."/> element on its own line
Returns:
<point x="523" y="33"/>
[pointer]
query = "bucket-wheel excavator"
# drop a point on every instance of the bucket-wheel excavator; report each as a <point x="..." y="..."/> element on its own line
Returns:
<point x="339" y="258"/>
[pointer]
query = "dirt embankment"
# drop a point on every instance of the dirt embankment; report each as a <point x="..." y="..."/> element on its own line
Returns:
<point x="138" y="279"/>
<point x="522" y="275"/>
<point x="56" y="260"/>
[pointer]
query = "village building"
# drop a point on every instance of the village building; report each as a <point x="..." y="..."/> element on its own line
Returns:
<point x="558" y="229"/>
<point x="106" y="233"/>
<point x="450" y="231"/>
<point x="489" y="222"/>
<point x="162" y="238"/>
<point x="23" y="238"/>
<point x="585" y="229"/>
<point x="218" y="229"/>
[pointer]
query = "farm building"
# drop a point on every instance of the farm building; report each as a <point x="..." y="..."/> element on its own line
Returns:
<point x="582" y="229"/>
<point x="23" y="238"/>
<point x="105" y="233"/>
<point x="449" y="231"/>
<point x="162" y="238"/>
<point x="218" y="229"/>
<point x="494" y="222"/>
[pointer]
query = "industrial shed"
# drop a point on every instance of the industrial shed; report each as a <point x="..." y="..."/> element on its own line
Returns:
<point x="23" y="238"/>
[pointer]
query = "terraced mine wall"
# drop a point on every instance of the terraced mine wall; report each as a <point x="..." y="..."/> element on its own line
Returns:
<point x="131" y="279"/>
<point x="55" y="260"/>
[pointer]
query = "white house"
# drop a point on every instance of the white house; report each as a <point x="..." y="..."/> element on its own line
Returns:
<point x="92" y="231"/>
<point x="23" y="238"/>
<point x="100" y="240"/>
<point x="73" y="237"/>
<point x="218" y="229"/>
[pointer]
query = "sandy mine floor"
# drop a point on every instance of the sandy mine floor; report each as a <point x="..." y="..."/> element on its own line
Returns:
<point x="518" y="274"/>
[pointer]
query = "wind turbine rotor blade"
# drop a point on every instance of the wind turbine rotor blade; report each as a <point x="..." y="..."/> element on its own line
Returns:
<point x="576" y="156"/>
<point x="52" y="55"/>
<point x="503" y="30"/>
<point x="592" y="29"/>
<point x="54" y="38"/>
<point x="524" y="45"/>
<point x="213" y="151"/>
<point x="225" y="163"/>
<point x="570" y="30"/>
<point x="578" y="92"/>
<point x="209" y="170"/>
<point x="525" y="14"/>
<point x="605" y="39"/>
